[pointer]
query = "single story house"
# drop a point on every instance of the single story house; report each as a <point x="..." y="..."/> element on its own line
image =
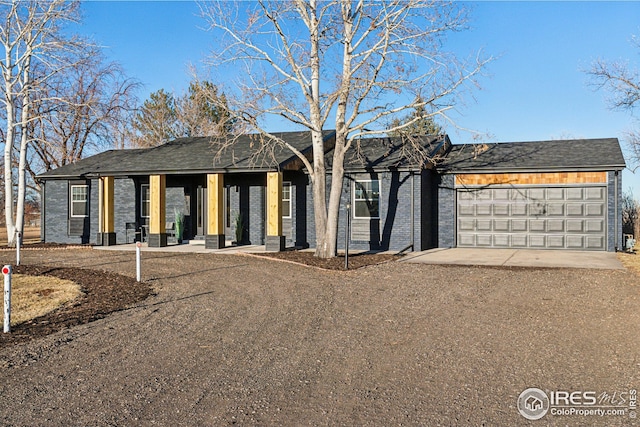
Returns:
<point x="547" y="194"/>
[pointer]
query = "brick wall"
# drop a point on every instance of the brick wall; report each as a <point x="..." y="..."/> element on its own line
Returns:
<point x="124" y="194"/>
<point x="612" y="215"/>
<point x="392" y="231"/>
<point x="446" y="211"/>
<point x="56" y="203"/>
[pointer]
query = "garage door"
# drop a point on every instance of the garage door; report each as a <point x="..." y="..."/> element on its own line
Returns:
<point x="533" y="217"/>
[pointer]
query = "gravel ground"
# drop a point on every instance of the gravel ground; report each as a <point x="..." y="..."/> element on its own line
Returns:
<point x="243" y="340"/>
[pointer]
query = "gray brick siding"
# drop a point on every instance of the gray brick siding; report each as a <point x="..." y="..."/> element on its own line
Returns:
<point x="256" y="225"/>
<point x="446" y="211"/>
<point x="247" y="197"/>
<point x="56" y="222"/>
<point x="124" y="194"/>
<point x="311" y="221"/>
<point x="93" y="211"/>
<point x="56" y="218"/>
<point x="392" y="231"/>
<point x="612" y="215"/>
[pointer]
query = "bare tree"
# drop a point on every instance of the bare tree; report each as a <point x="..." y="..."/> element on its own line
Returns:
<point x="352" y="66"/>
<point x="201" y="111"/>
<point x="420" y="124"/>
<point x="155" y="122"/>
<point x="630" y="209"/>
<point x="83" y="108"/>
<point x="31" y="36"/>
<point x="622" y="81"/>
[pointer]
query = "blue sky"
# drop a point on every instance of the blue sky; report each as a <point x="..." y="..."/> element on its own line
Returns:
<point x="536" y="89"/>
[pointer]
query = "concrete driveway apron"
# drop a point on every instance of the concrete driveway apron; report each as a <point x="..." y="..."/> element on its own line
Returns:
<point x="517" y="258"/>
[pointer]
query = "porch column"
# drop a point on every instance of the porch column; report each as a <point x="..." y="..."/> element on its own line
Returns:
<point x="215" y="238"/>
<point x="275" y="239"/>
<point x="106" y="225"/>
<point x="158" y="217"/>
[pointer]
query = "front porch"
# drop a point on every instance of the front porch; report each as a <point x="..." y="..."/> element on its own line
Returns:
<point x="217" y="208"/>
<point x="192" y="246"/>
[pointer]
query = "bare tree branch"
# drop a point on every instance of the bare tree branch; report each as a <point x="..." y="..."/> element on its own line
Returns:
<point x="354" y="64"/>
<point x="31" y="37"/>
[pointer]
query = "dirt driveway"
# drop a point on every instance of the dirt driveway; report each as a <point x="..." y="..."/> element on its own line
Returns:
<point x="234" y="339"/>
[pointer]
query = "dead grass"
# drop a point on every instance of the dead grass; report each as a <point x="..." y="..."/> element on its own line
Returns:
<point x="630" y="261"/>
<point x="31" y="235"/>
<point x="35" y="296"/>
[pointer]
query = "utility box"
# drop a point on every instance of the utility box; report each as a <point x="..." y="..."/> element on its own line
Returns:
<point x="629" y="242"/>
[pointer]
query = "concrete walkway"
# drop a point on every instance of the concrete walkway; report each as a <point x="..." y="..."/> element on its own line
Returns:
<point x="193" y="246"/>
<point x="517" y="257"/>
<point x="456" y="256"/>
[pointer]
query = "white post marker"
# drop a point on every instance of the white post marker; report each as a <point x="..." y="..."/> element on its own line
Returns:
<point x="138" y="244"/>
<point x="18" y="243"/>
<point x="6" y="270"/>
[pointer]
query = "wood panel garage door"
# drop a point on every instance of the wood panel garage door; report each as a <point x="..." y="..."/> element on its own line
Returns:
<point x="569" y="217"/>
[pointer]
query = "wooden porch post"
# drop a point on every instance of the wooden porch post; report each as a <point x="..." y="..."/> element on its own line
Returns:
<point x="158" y="217"/>
<point x="106" y="223"/>
<point x="275" y="239"/>
<point x="215" y="238"/>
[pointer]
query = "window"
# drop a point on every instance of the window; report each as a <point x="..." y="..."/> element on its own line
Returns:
<point x="286" y="200"/>
<point x="145" y="198"/>
<point x="79" y="199"/>
<point x="366" y="199"/>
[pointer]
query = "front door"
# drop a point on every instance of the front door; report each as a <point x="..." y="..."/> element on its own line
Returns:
<point x="201" y="212"/>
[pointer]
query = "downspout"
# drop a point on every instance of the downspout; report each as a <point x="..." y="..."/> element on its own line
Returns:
<point x="615" y="219"/>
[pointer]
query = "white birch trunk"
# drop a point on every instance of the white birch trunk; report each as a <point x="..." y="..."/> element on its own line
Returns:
<point x="10" y="136"/>
<point x="388" y="51"/>
<point x="24" y="143"/>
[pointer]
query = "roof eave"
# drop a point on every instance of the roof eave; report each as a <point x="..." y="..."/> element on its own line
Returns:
<point x="617" y="167"/>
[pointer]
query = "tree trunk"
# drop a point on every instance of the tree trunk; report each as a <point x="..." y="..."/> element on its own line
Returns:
<point x="24" y="142"/>
<point x="8" y="182"/>
<point x="329" y="232"/>
<point x="8" y="148"/>
<point x="319" y="186"/>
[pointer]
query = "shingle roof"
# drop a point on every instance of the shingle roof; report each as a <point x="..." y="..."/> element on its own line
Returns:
<point x="188" y="155"/>
<point x="603" y="153"/>
<point x="203" y="155"/>
<point x="385" y="153"/>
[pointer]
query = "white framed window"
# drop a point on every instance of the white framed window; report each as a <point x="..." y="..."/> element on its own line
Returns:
<point x="366" y="199"/>
<point x="145" y="201"/>
<point x="79" y="201"/>
<point x="286" y="200"/>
